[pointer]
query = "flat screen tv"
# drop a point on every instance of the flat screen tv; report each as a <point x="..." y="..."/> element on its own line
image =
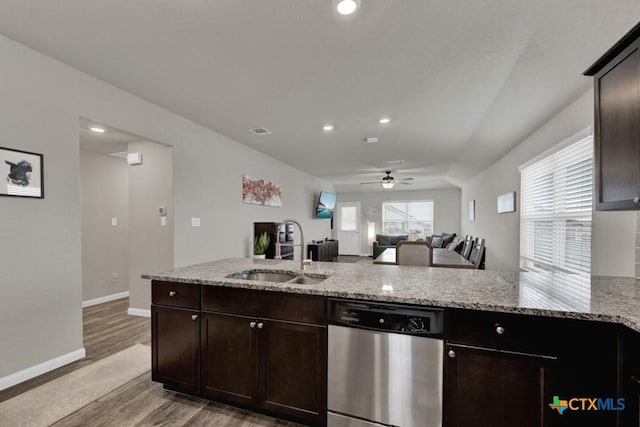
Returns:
<point x="326" y="205"/>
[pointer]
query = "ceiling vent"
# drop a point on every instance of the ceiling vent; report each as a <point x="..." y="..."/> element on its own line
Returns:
<point x="261" y="131"/>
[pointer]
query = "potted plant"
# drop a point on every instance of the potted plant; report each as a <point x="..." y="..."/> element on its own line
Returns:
<point x="260" y="245"/>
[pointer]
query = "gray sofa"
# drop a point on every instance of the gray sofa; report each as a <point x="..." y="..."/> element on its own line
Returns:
<point x="384" y="241"/>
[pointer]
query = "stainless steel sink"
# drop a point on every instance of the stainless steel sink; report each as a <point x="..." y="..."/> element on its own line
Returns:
<point x="306" y="280"/>
<point x="278" y="277"/>
<point x="264" y="276"/>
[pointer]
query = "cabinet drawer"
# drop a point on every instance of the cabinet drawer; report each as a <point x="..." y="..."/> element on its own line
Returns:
<point x="513" y="332"/>
<point x="273" y="305"/>
<point x="528" y="333"/>
<point x="175" y="294"/>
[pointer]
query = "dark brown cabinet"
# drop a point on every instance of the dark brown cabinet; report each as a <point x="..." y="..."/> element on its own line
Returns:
<point x="292" y="375"/>
<point x="229" y="368"/>
<point x="507" y="369"/>
<point x="271" y="228"/>
<point x="630" y="417"/>
<point x="323" y="251"/>
<point x="487" y="387"/>
<point x="617" y="125"/>
<point x="266" y="350"/>
<point x="175" y="335"/>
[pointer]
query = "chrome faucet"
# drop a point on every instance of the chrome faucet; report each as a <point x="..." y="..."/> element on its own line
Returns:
<point x="278" y="254"/>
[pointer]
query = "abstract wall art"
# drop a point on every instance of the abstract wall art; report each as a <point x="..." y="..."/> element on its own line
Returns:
<point x="260" y="192"/>
<point x="21" y="173"/>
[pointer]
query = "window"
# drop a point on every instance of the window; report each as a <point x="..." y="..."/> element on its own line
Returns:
<point x="413" y="218"/>
<point x="348" y="218"/>
<point x="555" y="214"/>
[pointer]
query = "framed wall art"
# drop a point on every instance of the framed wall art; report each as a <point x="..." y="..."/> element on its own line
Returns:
<point x="507" y="202"/>
<point x="21" y="173"/>
<point x="260" y="192"/>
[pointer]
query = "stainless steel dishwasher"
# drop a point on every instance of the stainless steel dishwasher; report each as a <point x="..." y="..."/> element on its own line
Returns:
<point x="385" y="365"/>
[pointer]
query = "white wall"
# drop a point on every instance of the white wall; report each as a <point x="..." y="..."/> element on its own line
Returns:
<point x="40" y="103"/>
<point x="105" y="248"/>
<point x="446" y="214"/>
<point x="150" y="245"/>
<point x="613" y="235"/>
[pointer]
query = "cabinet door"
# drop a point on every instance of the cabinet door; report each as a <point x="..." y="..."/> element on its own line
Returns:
<point x="631" y="379"/>
<point x="493" y="388"/>
<point x="293" y="369"/>
<point x="176" y="347"/>
<point x="229" y="367"/>
<point x="617" y="137"/>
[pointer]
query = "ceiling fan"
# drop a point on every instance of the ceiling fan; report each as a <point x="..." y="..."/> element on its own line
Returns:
<point x="389" y="181"/>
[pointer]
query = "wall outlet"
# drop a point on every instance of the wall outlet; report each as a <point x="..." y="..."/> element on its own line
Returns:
<point x="195" y="222"/>
<point x="114" y="222"/>
<point x="115" y="277"/>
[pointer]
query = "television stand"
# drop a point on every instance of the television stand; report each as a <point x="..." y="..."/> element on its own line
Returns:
<point x="323" y="251"/>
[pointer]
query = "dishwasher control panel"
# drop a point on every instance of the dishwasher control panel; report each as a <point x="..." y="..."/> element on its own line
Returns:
<point x="396" y="318"/>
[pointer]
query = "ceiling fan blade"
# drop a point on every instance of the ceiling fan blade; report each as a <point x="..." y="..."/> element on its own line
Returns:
<point x="405" y="179"/>
<point x="372" y="182"/>
<point x="404" y="183"/>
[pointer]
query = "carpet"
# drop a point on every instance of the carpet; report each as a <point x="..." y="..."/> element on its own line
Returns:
<point x="50" y="402"/>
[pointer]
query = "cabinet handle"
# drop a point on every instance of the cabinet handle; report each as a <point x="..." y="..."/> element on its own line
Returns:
<point x="636" y="200"/>
<point x="451" y="354"/>
<point x="194" y="317"/>
<point x="500" y="330"/>
<point x="172" y="293"/>
<point x="260" y="325"/>
<point x="252" y="325"/>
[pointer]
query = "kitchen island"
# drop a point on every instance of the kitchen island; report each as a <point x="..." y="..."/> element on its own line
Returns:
<point x="558" y="328"/>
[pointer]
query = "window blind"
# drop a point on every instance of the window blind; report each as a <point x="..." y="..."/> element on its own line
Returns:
<point x="413" y="218"/>
<point x="555" y="214"/>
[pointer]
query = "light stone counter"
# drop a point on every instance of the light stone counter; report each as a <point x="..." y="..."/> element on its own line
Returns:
<point x="610" y="299"/>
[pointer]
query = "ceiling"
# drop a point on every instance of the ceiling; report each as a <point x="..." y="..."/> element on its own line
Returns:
<point x="463" y="81"/>
<point x="111" y="141"/>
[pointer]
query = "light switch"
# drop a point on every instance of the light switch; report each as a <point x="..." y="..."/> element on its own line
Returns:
<point x="195" y="222"/>
<point x="114" y="221"/>
<point x="163" y="221"/>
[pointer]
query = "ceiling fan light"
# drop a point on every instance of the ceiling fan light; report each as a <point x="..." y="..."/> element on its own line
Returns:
<point x="347" y="7"/>
<point x="388" y="184"/>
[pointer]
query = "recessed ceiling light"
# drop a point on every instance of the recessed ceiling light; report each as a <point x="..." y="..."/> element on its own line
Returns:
<point x="96" y="129"/>
<point x="347" y="7"/>
<point x="384" y="120"/>
<point x="327" y="128"/>
<point x="394" y="162"/>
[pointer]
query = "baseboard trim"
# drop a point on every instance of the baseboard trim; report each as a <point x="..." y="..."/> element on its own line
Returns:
<point x="367" y="254"/>
<point x="139" y="312"/>
<point x="107" y="298"/>
<point x="41" y="368"/>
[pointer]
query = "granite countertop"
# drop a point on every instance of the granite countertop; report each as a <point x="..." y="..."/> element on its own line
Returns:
<point x="610" y="299"/>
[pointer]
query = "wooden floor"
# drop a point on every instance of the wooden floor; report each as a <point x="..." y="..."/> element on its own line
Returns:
<point x="107" y="330"/>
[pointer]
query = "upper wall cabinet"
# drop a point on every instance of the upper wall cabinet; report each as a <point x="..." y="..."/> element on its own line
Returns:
<point x="617" y="125"/>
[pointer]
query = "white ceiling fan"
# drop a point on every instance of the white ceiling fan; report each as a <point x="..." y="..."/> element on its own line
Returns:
<point x="388" y="181"/>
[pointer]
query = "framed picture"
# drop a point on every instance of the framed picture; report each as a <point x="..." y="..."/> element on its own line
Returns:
<point x="21" y="174"/>
<point x="507" y="202"/>
<point x="260" y="192"/>
<point x="472" y="210"/>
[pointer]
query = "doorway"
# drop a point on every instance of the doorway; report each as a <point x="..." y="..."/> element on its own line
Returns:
<point x="349" y="227"/>
<point x="126" y="196"/>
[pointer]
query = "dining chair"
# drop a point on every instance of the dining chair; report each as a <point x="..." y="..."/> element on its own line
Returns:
<point x="468" y="245"/>
<point x="414" y="253"/>
<point x="477" y="253"/>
